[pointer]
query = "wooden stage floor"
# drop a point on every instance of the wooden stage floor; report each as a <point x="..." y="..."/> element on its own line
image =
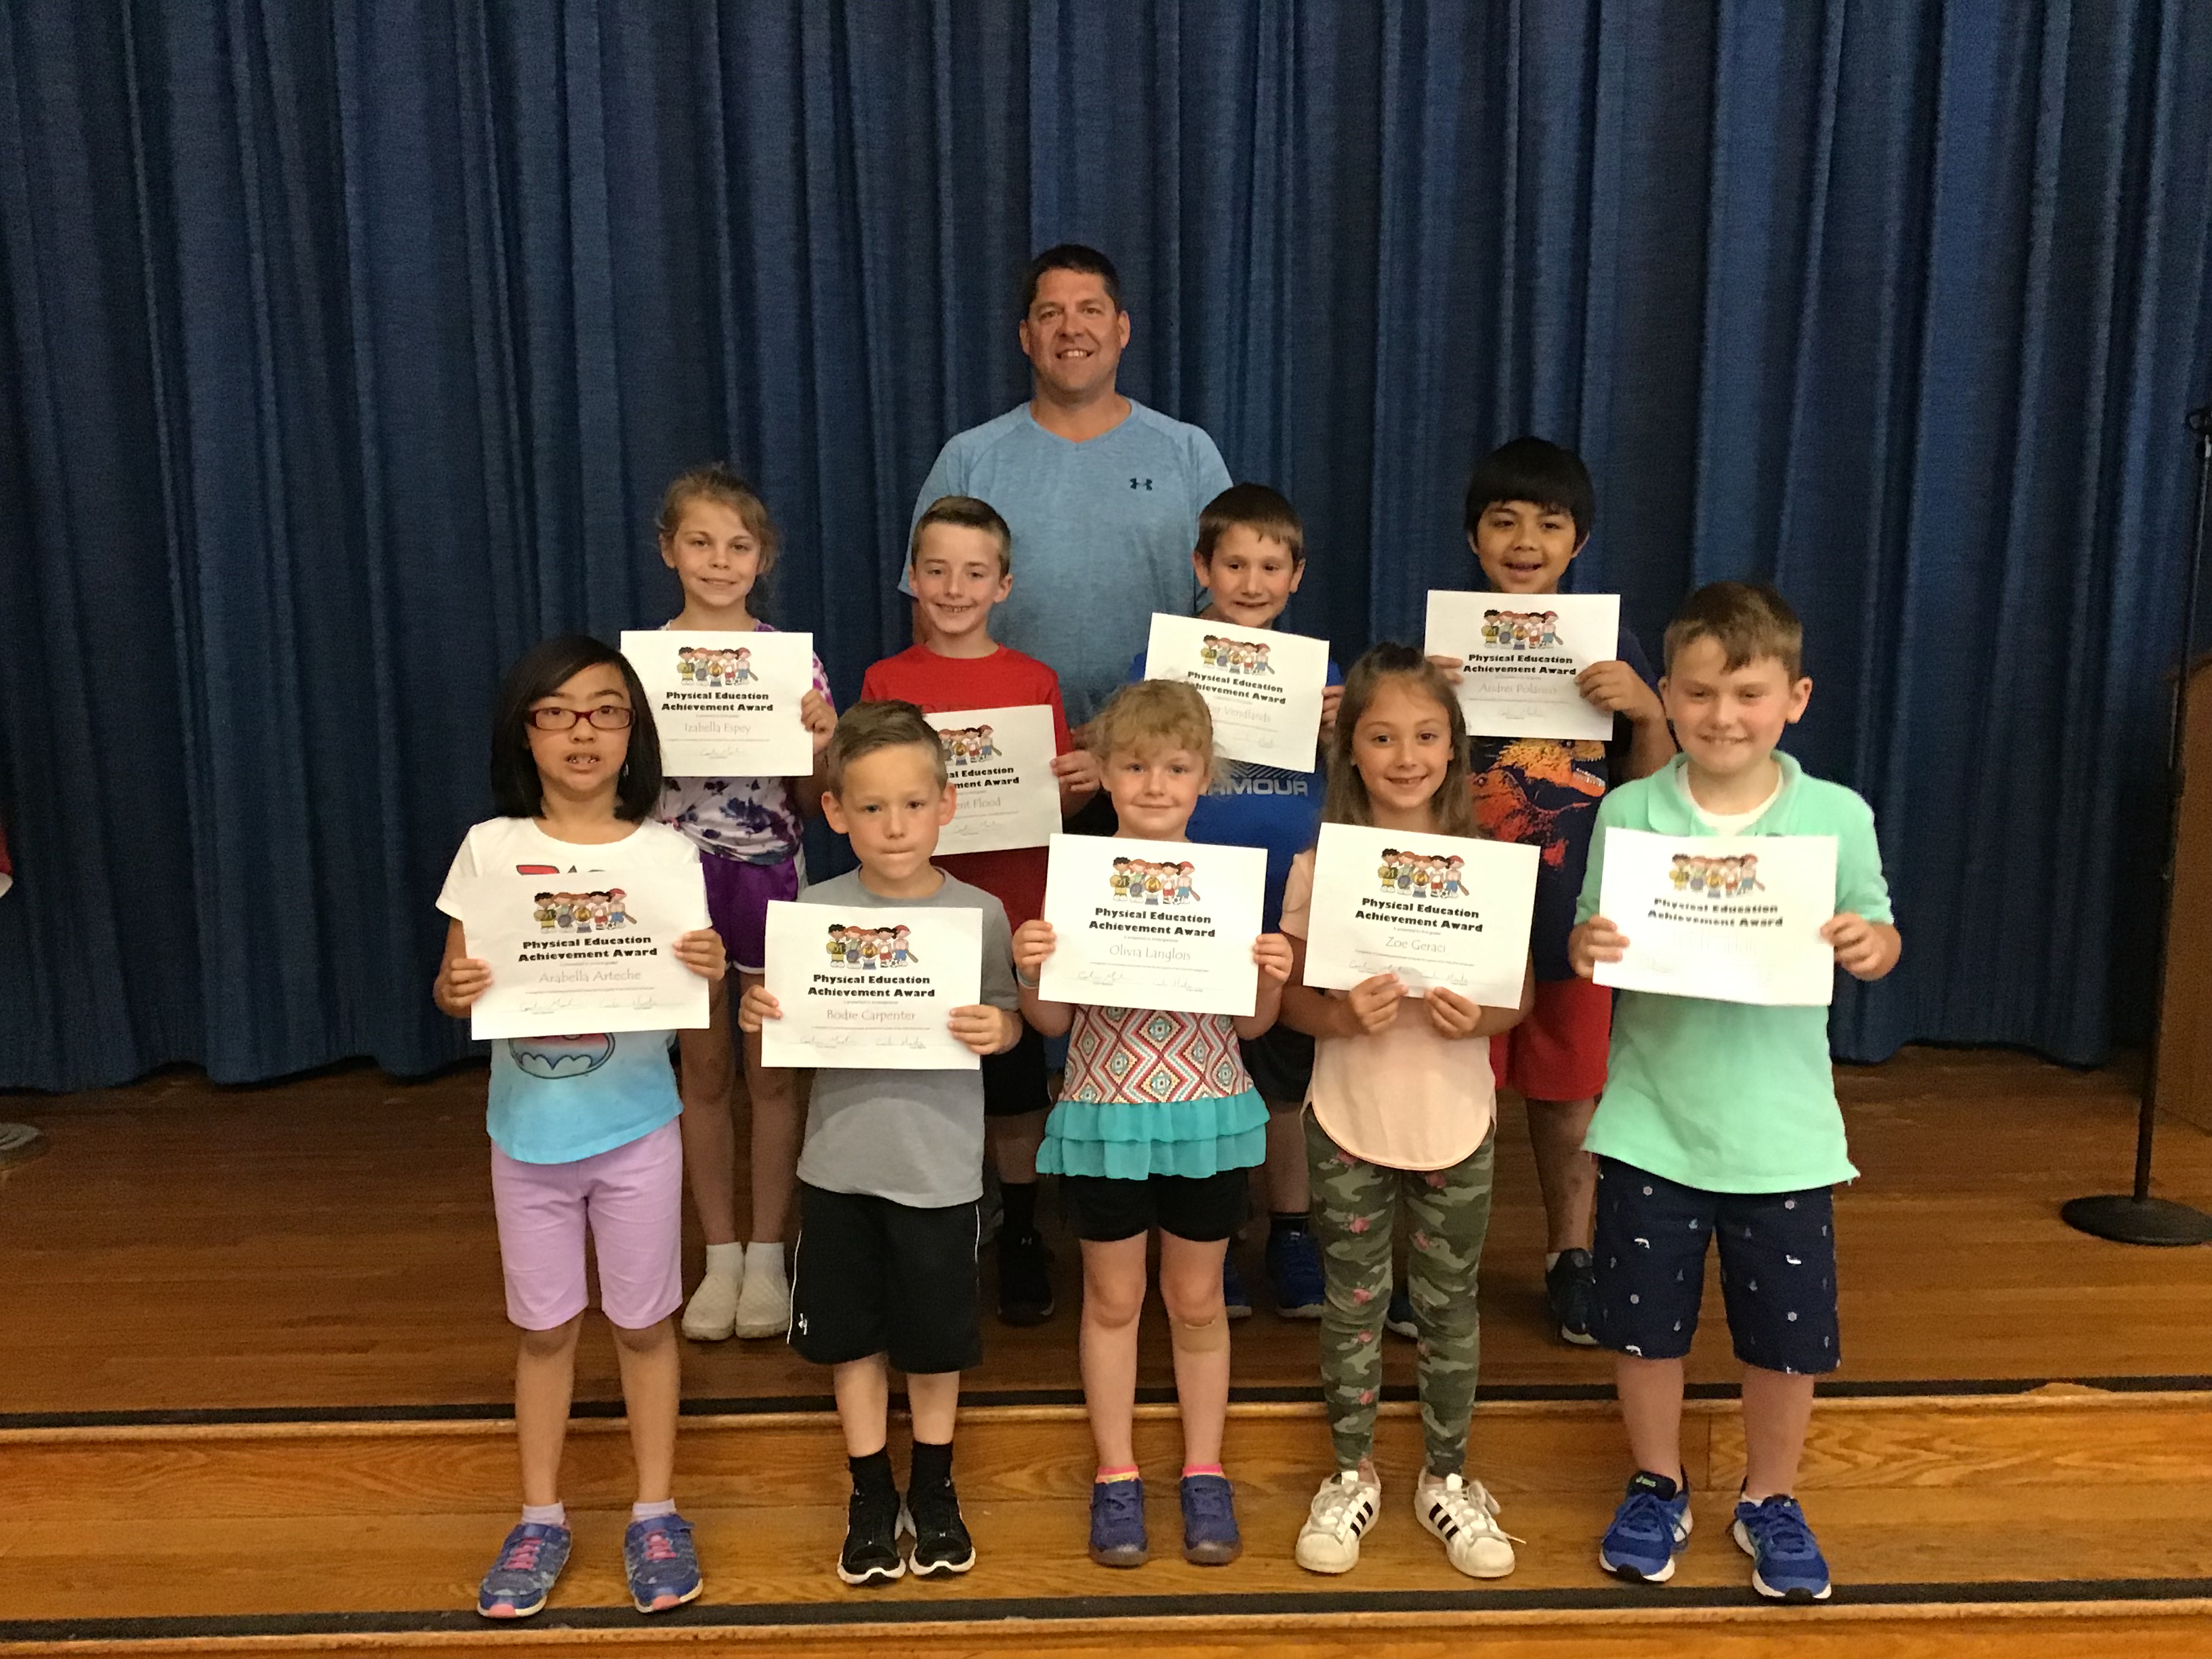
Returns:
<point x="326" y="1245"/>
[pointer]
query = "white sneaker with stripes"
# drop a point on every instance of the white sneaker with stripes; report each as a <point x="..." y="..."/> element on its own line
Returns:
<point x="1464" y="1516"/>
<point x="1343" y="1509"/>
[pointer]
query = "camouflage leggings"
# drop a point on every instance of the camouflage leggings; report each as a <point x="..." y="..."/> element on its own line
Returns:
<point x="1354" y="1206"/>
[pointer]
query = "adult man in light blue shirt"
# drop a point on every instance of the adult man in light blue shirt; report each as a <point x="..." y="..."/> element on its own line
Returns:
<point x="1103" y="493"/>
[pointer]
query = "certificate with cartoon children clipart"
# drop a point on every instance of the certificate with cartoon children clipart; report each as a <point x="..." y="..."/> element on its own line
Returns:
<point x="1518" y="655"/>
<point x="1153" y="924"/>
<point x="726" y="703"/>
<point x="874" y="987"/>
<point x="1731" y="918"/>
<point x="1432" y="909"/>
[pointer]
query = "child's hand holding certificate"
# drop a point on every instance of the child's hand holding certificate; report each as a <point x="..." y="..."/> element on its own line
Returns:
<point x="1436" y="910"/>
<point x="726" y="703"/>
<point x="1153" y="924"/>
<point x="879" y="988"/>
<point x="1730" y="918"/>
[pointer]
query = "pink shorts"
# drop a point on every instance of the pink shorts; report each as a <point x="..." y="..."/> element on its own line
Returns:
<point x="1559" y="1052"/>
<point x="737" y="903"/>
<point x="631" y="1201"/>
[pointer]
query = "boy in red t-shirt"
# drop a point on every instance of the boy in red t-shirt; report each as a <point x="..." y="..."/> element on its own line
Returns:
<point x="959" y="563"/>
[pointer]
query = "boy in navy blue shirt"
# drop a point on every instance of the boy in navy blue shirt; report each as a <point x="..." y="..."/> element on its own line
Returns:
<point x="1250" y="557"/>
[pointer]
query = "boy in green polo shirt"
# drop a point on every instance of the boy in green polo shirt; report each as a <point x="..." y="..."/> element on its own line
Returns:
<point x="1720" y="1118"/>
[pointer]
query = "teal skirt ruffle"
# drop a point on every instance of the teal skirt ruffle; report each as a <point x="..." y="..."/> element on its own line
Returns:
<point x="1131" y="1139"/>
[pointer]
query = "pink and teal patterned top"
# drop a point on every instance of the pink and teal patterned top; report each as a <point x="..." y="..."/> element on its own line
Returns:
<point x="1149" y="1092"/>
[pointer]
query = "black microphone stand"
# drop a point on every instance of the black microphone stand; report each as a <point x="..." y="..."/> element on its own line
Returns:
<point x="2136" y="1218"/>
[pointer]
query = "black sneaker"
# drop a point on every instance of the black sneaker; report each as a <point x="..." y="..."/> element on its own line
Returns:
<point x="870" y="1555"/>
<point x="1024" y="1280"/>
<point x="941" y="1543"/>
<point x="1570" y="1288"/>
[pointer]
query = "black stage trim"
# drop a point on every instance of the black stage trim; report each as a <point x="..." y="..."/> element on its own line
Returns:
<point x="866" y="1612"/>
<point x="765" y="1405"/>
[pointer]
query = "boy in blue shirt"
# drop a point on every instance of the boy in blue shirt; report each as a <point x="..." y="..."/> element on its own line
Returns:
<point x="1720" y="1118"/>
<point x="1250" y="557"/>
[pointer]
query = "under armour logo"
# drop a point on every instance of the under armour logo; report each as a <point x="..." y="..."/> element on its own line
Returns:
<point x="802" y="1324"/>
<point x="1140" y="483"/>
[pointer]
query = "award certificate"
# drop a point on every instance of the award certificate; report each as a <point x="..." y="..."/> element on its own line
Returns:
<point x="872" y="988"/>
<point x="1730" y="918"/>
<point x="1518" y="655"/>
<point x="1433" y="909"/>
<point x="585" y="952"/>
<point x="1004" y="794"/>
<point x="1153" y="924"/>
<point x="1263" y="688"/>
<point x="727" y="704"/>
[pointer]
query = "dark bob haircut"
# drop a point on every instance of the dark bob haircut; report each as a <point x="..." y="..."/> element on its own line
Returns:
<point x="1071" y="256"/>
<point x="1533" y="469"/>
<point x="516" y="792"/>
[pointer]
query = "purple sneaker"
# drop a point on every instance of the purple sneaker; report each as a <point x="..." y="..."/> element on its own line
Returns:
<point x="522" y="1577"/>
<point x="662" y="1565"/>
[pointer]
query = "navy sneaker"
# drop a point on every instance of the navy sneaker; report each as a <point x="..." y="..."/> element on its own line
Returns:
<point x="1235" y="1301"/>
<point x="1398" y="1317"/>
<point x="1648" y="1530"/>
<point x="1117" y="1524"/>
<point x="522" y="1577"/>
<point x="662" y="1565"/>
<point x="1210" y="1538"/>
<point x="1294" y="1274"/>
<point x="1786" y="1562"/>
<point x="1570" y="1288"/>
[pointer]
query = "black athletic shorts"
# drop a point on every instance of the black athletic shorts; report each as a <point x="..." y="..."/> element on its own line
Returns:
<point x="1200" y="1208"/>
<point x="1777" y="1269"/>
<point x="1281" y="1062"/>
<point x="870" y="1276"/>
<point x="1014" y="1082"/>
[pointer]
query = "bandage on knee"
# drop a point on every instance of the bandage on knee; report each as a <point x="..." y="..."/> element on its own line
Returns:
<point x="1211" y="1337"/>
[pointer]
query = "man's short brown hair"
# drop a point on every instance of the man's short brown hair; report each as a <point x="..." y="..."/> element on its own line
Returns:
<point x="1749" y="621"/>
<point x="1255" y="508"/>
<point x="868" y="726"/>
<point x="970" y="513"/>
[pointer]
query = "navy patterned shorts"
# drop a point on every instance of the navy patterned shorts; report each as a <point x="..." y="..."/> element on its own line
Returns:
<point x="1777" y="1269"/>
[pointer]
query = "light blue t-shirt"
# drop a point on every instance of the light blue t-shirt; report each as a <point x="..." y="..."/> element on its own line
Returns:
<point x="1104" y="531"/>
<point x="562" y="1098"/>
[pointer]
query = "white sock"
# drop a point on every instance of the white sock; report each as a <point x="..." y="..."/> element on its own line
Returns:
<point x="545" y="1515"/>
<point x="655" y="1512"/>
<point x="727" y="1260"/>
<point x="1551" y="1259"/>
<point x="765" y="1259"/>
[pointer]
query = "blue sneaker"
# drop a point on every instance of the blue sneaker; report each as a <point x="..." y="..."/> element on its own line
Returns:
<point x="1117" y="1524"/>
<point x="1398" y="1318"/>
<point x="1294" y="1274"/>
<point x="1235" y="1301"/>
<point x="1648" y="1531"/>
<point x="1786" y="1562"/>
<point x="1210" y="1538"/>
<point x="662" y="1565"/>
<point x="522" y="1577"/>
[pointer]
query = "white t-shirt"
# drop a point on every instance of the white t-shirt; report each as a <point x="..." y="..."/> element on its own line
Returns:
<point x="559" y="1099"/>
<point x="1734" y="823"/>
<point x="1408" y="1098"/>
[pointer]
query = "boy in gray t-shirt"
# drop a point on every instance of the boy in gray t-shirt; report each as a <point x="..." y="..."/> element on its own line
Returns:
<point x="884" y="1273"/>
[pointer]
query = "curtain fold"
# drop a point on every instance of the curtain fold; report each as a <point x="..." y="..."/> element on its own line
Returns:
<point x="346" y="348"/>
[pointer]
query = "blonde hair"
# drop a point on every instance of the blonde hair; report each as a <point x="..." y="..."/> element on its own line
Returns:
<point x="868" y="726"/>
<point x="719" y="483"/>
<point x="1346" y="801"/>
<point x="1153" y="715"/>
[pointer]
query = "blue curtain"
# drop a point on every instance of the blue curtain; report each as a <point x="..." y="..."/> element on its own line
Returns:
<point x="347" y="347"/>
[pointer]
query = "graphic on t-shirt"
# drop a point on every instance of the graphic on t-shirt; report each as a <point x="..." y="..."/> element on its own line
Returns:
<point x="1411" y="873"/>
<point x="1695" y="875"/>
<point x="554" y="1058"/>
<point x="966" y="746"/>
<point x="1142" y="881"/>
<point x="1509" y="631"/>
<point x="1235" y="656"/>
<point x="869" y="948"/>
<point x="696" y="665"/>
<point x="598" y="912"/>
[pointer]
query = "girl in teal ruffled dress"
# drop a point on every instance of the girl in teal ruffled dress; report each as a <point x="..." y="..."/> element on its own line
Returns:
<point x="1157" y="1125"/>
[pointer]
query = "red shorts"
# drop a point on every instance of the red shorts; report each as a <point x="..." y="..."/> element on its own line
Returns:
<point x="1558" y="1053"/>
